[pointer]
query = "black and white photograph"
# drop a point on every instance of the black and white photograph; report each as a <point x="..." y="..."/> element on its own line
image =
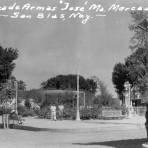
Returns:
<point x="73" y="74"/>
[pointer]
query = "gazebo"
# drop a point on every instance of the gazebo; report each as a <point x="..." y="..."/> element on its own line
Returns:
<point x="60" y="96"/>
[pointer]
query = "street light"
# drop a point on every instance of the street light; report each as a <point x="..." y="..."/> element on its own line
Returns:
<point x="78" y="91"/>
<point x="78" y="99"/>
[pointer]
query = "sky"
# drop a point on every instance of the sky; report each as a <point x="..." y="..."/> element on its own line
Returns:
<point x="50" y="47"/>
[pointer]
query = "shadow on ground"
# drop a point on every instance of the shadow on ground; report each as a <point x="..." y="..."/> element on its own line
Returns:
<point x="129" y="143"/>
<point x="115" y="123"/>
<point x="30" y="128"/>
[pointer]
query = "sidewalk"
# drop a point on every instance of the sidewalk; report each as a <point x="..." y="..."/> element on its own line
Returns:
<point x="86" y="125"/>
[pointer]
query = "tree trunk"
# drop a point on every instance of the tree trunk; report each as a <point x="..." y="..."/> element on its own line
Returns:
<point x="4" y="121"/>
<point x="146" y="123"/>
<point x="7" y="120"/>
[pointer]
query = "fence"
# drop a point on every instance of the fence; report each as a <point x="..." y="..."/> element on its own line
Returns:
<point x="117" y="113"/>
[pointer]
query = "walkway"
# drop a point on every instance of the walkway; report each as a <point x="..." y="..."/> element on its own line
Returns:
<point x="86" y="125"/>
<point x="43" y="133"/>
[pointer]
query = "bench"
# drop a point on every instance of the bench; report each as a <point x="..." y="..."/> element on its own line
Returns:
<point x="112" y="114"/>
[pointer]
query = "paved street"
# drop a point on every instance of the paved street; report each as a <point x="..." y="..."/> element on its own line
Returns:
<point x="40" y="133"/>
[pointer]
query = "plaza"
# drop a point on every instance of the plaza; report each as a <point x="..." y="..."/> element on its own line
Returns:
<point x="44" y="133"/>
<point x="73" y="74"/>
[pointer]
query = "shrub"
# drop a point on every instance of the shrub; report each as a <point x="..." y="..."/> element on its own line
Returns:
<point x="124" y="110"/>
<point x="36" y="111"/>
<point x="44" y="113"/>
<point x="28" y="112"/>
<point x="27" y="103"/>
<point x="69" y="113"/>
<point x="23" y="111"/>
<point x="90" y="113"/>
<point x="95" y="113"/>
<point x="85" y="113"/>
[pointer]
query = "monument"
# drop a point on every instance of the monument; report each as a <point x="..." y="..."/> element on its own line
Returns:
<point x="128" y="100"/>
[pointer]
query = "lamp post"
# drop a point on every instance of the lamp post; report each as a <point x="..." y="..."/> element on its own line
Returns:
<point x="78" y="89"/>
<point x="78" y="97"/>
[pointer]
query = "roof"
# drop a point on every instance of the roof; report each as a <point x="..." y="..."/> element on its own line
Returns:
<point x="59" y="91"/>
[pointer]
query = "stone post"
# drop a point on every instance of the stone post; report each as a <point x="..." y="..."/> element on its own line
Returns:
<point x="128" y="101"/>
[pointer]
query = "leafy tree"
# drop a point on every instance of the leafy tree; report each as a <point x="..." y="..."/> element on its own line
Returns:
<point x="105" y="95"/>
<point x="137" y="65"/>
<point x="7" y="57"/>
<point x="135" y="68"/>
<point x="21" y="85"/>
<point x="27" y="103"/>
<point x="104" y="98"/>
<point x="34" y="94"/>
<point x="139" y="39"/>
<point x="138" y="61"/>
<point x="69" y="82"/>
<point x="119" y="77"/>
